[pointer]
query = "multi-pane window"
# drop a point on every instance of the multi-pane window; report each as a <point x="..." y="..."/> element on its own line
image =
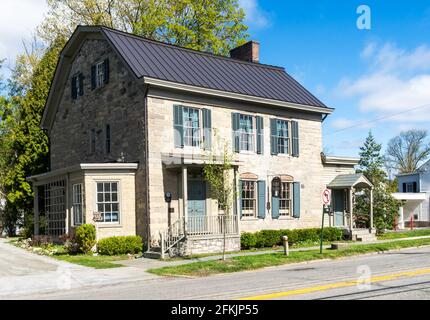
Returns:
<point x="282" y="137"/>
<point x="78" y="216"/>
<point x="191" y="123"/>
<point x="107" y="201"/>
<point x="249" y="201"/>
<point x="246" y="133"/>
<point x="285" y="201"/>
<point x="100" y="73"/>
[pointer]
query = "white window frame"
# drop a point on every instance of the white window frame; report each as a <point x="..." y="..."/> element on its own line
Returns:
<point x="249" y="214"/>
<point x="289" y="139"/>
<point x="253" y="134"/>
<point x="200" y="128"/>
<point x="100" y="74"/>
<point x="78" y="203"/>
<point x="283" y="212"/>
<point x="97" y="203"/>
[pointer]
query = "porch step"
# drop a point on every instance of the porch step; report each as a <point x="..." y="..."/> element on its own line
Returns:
<point x="153" y="254"/>
<point x="359" y="232"/>
<point x="367" y="238"/>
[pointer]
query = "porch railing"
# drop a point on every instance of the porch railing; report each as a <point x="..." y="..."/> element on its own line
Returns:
<point x="216" y="225"/>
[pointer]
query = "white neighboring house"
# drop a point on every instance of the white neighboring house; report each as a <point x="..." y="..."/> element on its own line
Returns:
<point x="2" y="206"/>
<point x="414" y="192"/>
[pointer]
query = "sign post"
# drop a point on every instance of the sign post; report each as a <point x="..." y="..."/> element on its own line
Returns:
<point x="97" y="217"/>
<point x="326" y="199"/>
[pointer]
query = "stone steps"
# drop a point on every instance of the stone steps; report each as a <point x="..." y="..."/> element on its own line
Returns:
<point x="152" y="255"/>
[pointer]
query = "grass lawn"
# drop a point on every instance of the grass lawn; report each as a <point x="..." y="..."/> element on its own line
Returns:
<point x="97" y="262"/>
<point x="243" y="263"/>
<point x="406" y="234"/>
<point x="88" y="260"/>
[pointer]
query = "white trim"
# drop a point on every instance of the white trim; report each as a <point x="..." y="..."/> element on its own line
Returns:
<point x="232" y="95"/>
<point x="334" y="160"/>
<point x="409" y="196"/>
<point x="119" y="192"/>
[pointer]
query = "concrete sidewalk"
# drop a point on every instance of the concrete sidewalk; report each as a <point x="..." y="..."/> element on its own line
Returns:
<point x="146" y="264"/>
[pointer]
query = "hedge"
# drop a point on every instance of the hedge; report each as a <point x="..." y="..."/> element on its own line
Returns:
<point x="85" y="238"/>
<point x="120" y="245"/>
<point x="271" y="238"/>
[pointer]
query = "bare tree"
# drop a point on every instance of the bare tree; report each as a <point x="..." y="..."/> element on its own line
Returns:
<point x="408" y="150"/>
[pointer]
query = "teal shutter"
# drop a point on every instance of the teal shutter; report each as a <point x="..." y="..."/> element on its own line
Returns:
<point x="240" y="198"/>
<point x="275" y="207"/>
<point x="262" y="199"/>
<point x="235" y="129"/>
<point x="260" y="135"/>
<point x="207" y="129"/>
<point x="295" y="138"/>
<point x="296" y="199"/>
<point x="273" y="137"/>
<point x="178" y="125"/>
<point x="106" y="71"/>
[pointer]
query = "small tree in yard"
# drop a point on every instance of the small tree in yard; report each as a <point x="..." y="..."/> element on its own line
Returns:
<point x="384" y="205"/>
<point x="218" y="172"/>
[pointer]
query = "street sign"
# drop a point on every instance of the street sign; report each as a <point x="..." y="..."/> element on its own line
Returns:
<point x="326" y="197"/>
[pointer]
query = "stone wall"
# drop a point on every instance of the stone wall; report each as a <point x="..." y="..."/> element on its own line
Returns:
<point x="306" y="169"/>
<point x="119" y="104"/>
<point x="209" y="245"/>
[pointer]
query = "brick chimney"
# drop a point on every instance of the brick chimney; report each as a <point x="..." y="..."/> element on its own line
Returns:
<point x="250" y="51"/>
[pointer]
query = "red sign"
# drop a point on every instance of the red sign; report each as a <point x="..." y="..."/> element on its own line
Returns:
<point x="326" y="197"/>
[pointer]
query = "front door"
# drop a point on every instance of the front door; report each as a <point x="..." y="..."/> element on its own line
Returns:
<point x="338" y="207"/>
<point x="196" y="206"/>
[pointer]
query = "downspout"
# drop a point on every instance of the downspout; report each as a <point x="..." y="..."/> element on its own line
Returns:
<point x="147" y="207"/>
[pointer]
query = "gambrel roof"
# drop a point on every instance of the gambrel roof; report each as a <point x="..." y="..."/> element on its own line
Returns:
<point x="171" y="66"/>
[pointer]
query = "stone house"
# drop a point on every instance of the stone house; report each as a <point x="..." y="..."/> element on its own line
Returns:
<point x="132" y="123"/>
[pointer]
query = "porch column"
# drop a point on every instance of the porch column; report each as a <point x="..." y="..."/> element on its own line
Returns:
<point x="351" y="209"/>
<point x="185" y="193"/>
<point x="401" y="218"/>
<point x="371" y="209"/>
<point x="36" y="210"/>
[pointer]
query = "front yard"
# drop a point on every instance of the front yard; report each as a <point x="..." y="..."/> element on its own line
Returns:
<point x="244" y="263"/>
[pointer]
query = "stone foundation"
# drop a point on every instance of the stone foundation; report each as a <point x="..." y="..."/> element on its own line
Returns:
<point x="193" y="246"/>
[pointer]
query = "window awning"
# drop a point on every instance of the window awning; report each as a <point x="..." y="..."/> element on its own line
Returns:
<point x="348" y="181"/>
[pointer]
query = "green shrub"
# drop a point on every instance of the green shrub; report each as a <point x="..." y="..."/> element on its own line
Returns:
<point x="85" y="237"/>
<point x="120" y="245"/>
<point x="248" y="240"/>
<point x="268" y="238"/>
<point x="271" y="238"/>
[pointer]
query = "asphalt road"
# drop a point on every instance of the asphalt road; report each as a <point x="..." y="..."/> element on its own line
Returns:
<point x="395" y="275"/>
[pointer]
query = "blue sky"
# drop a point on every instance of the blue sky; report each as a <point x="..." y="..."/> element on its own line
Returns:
<point x="364" y="74"/>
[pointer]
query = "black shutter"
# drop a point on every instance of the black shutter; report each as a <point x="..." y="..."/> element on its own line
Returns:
<point x="74" y="89"/>
<point x="93" y="77"/>
<point x="415" y="187"/>
<point x="106" y="71"/>
<point x="81" y="84"/>
<point x="404" y="188"/>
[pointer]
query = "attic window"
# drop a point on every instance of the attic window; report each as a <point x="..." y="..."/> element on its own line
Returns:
<point x="77" y="85"/>
<point x="100" y="74"/>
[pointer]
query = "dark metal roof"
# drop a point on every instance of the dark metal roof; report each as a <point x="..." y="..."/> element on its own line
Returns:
<point x="148" y="58"/>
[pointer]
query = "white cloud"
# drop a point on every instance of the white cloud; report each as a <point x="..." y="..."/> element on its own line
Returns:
<point x="397" y="80"/>
<point x="255" y="16"/>
<point x="18" y="20"/>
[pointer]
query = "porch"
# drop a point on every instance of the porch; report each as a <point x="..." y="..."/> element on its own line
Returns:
<point x="195" y="224"/>
<point x="411" y="208"/>
<point x="345" y="189"/>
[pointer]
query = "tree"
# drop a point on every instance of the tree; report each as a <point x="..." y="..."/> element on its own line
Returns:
<point x="385" y="207"/>
<point x="208" y="25"/>
<point x="218" y="172"/>
<point x="408" y="150"/>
